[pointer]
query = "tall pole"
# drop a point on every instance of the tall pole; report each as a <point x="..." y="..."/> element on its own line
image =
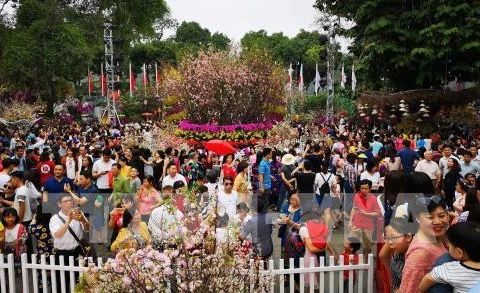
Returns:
<point x="329" y="119"/>
<point x="110" y="111"/>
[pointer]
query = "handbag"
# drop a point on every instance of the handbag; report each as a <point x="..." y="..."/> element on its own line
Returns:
<point x="87" y="249"/>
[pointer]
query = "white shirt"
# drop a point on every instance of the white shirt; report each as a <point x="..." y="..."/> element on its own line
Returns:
<point x="161" y="220"/>
<point x="11" y="235"/>
<point x="228" y="202"/>
<point x="375" y="178"/>
<point x="99" y="167"/>
<point x="319" y="181"/>
<point x="4" y="178"/>
<point x="430" y="168"/>
<point x="66" y="242"/>
<point x="169" y="180"/>
<point x="21" y="195"/>
<point x="70" y="166"/>
<point x="455" y="273"/>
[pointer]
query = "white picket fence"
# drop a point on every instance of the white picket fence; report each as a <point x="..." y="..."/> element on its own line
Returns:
<point x="326" y="278"/>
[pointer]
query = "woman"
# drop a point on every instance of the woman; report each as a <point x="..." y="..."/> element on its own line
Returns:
<point x="450" y="181"/>
<point x="275" y="167"/>
<point x="70" y="163"/>
<point x="460" y="192"/>
<point x="45" y="167"/>
<point x="39" y="228"/>
<point x="427" y="246"/>
<point x="124" y="168"/>
<point x="15" y="234"/>
<point x="115" y="221"/>
<point x="134" y="233"/>
<point x="398" y="236"/>
<point x="240" y="184"/>
<point x="87" y="165"/>
<point x="371" y="174"/>
<point x="288" y="162"/>
<point x="158" y="162"/>
<point x="413" y="141"/>
<point x="392" y="161"/>
<point x="147" y="198"/>
<point x="290" y="216"/>
<point x="471" y="202"/>
<point x="361" y="165"/>
<point x="228" y="168"/>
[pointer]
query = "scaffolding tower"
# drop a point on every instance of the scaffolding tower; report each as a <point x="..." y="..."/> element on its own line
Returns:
<point x="329" y="112"/>
<point x="110" y="111"/>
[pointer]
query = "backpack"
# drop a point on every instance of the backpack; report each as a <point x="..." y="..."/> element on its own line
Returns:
<point x="318" y="233"/>
<point x="295" y="248"/>
<point x="325" y="188"/>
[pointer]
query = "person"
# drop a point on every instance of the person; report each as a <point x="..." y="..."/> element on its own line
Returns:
<point x="86" y="165"/>
<point x="275" y="167"/>
<point x="173" y="176"/>
<point x="158" y="162"/>
<point x="70" y="163"/>
<point x="430" y="212"/>
<point x="471" y="201"/>
<point x="316" y="158"/>
<point x="450" y="181"/>
<point x="393" y="161"/>
<point x="124" y="167"/>
<point x="398" y="236"/>
<point x="54" y="187"/>
<point x="68" y="227"/>
<point x="135" y="182"/>
<point x="349" y="186"/>
<point x="288" y="162"/>
<point x="241" y="185"/>
<point x="45" y="167"/>
<point x="228" y="198"/>
<point x="364" y="215"/>
<point x="134" y="233"/>
<point x="408" y="157"/>
<point x="147" y="198"/>
<point x="350" y="257"/>
<point x="467" y="165"/>
<point x="429" y="167"/>
<point x="15" y="234"/>
<point x="100" y="171"/>
<point x="20" y="156"/>
<point x="463" y="274"/>
<point x="228" y="168"/>
<point x="371" y="173"/>
<point x="243" y="214"/>
<point x="305" y="184"/>
<point x="460" y="192"/>
<point x="190" y="169"/>
<point x="21" y="202"/>
<point x="118" y="183"/>
<point x="443" y="162"/>
<point x="376" y="145"/>
<point x="115" y="221"/>
<point x="324" y="184"/>
<point x="265" y="178"/>
<point x="289" y="220"/>
<point x="259" y="230"/>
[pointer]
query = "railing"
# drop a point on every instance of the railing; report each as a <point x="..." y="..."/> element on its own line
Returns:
<point x="51" y="275"/>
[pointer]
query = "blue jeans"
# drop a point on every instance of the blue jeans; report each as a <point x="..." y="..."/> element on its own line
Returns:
<point x="282" y="195"/>
<point x="348" y="199"/>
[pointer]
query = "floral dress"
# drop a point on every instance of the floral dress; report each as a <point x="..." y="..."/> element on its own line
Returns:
<point x="44" y="239"/>
<point x="275" y="167"/>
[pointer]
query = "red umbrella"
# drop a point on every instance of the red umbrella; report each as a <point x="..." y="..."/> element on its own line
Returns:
<point x="219" y="147"/>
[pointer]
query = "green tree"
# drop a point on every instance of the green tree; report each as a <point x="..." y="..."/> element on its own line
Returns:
<point x="192" y="33"/>
<point x="220" y="41"/>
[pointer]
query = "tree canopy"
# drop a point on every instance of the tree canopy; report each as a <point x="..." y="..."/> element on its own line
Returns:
<point x="411" y="44"/>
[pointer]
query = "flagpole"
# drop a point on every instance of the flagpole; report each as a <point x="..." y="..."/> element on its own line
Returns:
<point x="156" y="79"/>
<point x="130" y="78"/>
<point x="88" y="81"/>
<point x="145" y="79"/>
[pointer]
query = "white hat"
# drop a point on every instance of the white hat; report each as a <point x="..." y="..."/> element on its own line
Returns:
<point x="288" y="159"/>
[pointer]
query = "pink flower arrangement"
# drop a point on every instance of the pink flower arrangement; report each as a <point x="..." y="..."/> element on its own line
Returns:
<point x="212" y="128"/>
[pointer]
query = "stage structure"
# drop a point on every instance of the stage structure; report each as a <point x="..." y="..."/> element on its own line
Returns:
<point x="329" y="112"/>
<point x="110" y="111"/>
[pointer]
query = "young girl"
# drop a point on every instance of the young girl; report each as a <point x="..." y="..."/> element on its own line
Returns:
<point x="398" y="236"/>
<point x="15" y="234"/>
<point x="460" y="192"/>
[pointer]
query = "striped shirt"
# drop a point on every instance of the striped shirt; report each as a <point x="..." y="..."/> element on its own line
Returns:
<point x="396" y="269"/>
<point x="457" y="274"/>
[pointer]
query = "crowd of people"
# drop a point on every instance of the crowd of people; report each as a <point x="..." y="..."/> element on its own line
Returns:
<point x="412" y="200"/>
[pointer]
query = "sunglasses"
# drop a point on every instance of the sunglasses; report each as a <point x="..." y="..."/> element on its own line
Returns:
<point x="228" y="184"/>
<point x="427" y="200"/>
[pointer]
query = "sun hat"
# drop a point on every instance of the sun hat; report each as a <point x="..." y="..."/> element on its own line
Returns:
<point x="362" y="156"/>
<point x="288" y="159"/>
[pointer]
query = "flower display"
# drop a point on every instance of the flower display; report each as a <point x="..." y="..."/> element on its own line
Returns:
<point x="84" y="108"/>
<point x="212" y="128"/>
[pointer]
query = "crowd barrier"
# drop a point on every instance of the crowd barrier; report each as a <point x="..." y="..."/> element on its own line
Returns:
<point x="34" y="272"/>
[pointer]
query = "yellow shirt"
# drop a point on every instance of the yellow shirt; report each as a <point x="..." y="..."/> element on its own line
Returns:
<point x="125" y="171"/>
<point x="240" y="184"/>
<point x="122" y="241"/>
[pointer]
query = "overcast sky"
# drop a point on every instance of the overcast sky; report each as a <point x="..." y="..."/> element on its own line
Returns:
<point x="237" y="17"/>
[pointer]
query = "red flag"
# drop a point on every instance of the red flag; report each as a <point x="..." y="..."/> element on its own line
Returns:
<point x="90" y="82"/>
<point x="103" y="81"/>
<point x="132" y="80"/>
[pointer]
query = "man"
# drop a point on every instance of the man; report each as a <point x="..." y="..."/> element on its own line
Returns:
<point x="7" y="169"/>
<point x="21" y="202"/>
<point x="364" y="214"/>
<point x="120" y="185"/>
<point x="63" y="225"/>
<point x="173" y="176"/>
<point x="476" y="156"/>
<point x="408" y="157"/>
<point x="20" y="156"/>
<point x="259" y="230"/>
<point x="100" y="171"/>
<point x="429" y="167"/>
<point x="305" y="184"/>
<point x="467" y="165"/>
<point x="228" y="198"/>
<point x="376" y="145"/>
<point x="316" y="158"/>
<point x="265" y="178"/>
<point x="54" y="187"/>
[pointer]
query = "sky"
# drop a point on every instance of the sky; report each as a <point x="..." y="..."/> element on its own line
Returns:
<point x="237" y="17"/>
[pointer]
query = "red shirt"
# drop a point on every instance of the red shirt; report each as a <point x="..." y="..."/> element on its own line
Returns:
<point x="229" y="171"/>
<point x="45" y="169"/>
<point x="346" y="261"/>
<point x="369" y="205"/>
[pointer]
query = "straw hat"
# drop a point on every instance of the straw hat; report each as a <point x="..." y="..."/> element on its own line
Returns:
<point x="288" y="159"/>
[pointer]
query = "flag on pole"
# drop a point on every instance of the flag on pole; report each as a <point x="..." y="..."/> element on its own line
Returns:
<point x="344" y="78"/>
<point x="131" y="80"/>
<point x="354" y="78"/>
<point x="317" y="79"/>
<point x="90" y="82"/>
<point x="103" y="81"/>
<point x="300" y="80"/>
<point x="290" y="77"/>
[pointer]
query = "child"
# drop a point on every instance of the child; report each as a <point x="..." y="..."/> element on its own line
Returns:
<point x="135" y="182"/>
<point x="242" y="216"/>
<point x="15" y="234"/>
<point x="350" y="256"/>
<point x="398" y="236"/>
<point x="462" y="275"/>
